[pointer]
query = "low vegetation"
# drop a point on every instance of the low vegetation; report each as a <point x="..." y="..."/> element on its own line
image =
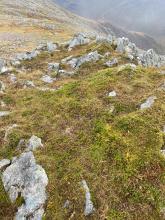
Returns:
<point x="88" y="135"/>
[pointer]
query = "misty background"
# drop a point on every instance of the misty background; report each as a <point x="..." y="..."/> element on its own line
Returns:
<point x="146" y="16"/>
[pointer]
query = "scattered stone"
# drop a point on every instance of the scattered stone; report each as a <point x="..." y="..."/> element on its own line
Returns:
<point x="34" y="143"/>
<point x="28" y="84"/>
<point x="48" y="79"/>
<point x="107" y="54"/>
<point x="66" y="204"/>
<point x="2" y="86"/>
<point x="112" y="63"/>
<point x="53" y="66"/>
<point x="105" y="39"/>
<point x="89" y="207"/>
<point x="77" y="62"/>
<point x="78" y="39"/>
<point x="5" y="70"/>
<point x="27" y="56"/>
<point x="4" y="113"/>
<point x="4" y="163"/>
<point x="8" y="130"/>
<point x="148" y="103"/>
<point x="112" y="94"/>
<point x="51" y="47"/>
<point x="27" y="179"/>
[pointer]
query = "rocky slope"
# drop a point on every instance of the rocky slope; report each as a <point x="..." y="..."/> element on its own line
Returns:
<point x="82" y="131"/>
<point x="25" y="23"/>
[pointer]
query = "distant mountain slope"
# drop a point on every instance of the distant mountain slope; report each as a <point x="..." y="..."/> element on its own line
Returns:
<point x="141" y="16"/>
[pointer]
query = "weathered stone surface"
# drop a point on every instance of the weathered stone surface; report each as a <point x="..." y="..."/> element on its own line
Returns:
<point x="27" y="179"/>
<point x="150" y="58"/>
<point x="48" y="79"/>
<point x="49" y="47"/>
<point x="89" y="207"/>
<point x="79" y="39"/>
<point x="148" y="103"/>
<point x="112" y="94"/>
<point x="27" y="55"/>
<point x="4" y="163"/>
<point x="77" y="62"/>
<point x="112" y="63"/>
<point x="53" y="66"/>
<point x="34" y="143"/>
<point x="105" y="39"/>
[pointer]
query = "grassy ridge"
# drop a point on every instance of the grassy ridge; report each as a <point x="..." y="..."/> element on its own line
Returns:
<point x="117" y="153"/>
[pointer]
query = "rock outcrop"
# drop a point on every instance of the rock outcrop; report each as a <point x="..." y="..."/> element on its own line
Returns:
<point x="25" y="178"/>
<point x="79" y="39"/>
<point x="148" y="103"/>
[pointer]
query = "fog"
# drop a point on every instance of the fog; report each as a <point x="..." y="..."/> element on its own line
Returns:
<point x="138" y="15"/>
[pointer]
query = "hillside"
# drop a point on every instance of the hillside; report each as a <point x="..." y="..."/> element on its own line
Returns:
<point x="23" y="24"/>
<point x="127" y="15"/>
<point x="82" y="118"/>
<point x="94" y="120"/>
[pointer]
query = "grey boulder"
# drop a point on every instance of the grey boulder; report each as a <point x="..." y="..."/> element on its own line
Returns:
<point x="27" y="179"/>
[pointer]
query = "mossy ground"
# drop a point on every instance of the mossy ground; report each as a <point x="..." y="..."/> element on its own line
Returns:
<point x="117" y="153"/>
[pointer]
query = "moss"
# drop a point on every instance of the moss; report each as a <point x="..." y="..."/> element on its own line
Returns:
<point x="118" y="153"/>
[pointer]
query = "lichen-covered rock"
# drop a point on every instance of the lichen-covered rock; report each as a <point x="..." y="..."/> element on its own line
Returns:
<point x="77" y="62"/>
<point x="27" y="179"/>
<point x="27" y="55"/>
<point x="151" y="59"/>
<point x="78" y="39"/>
<point x="34" y="143"/>
<point x="105" y="39"/>
<point x="49" y="47"/>
<point x="148" y="103"/>
<point x="89" y="207"/>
